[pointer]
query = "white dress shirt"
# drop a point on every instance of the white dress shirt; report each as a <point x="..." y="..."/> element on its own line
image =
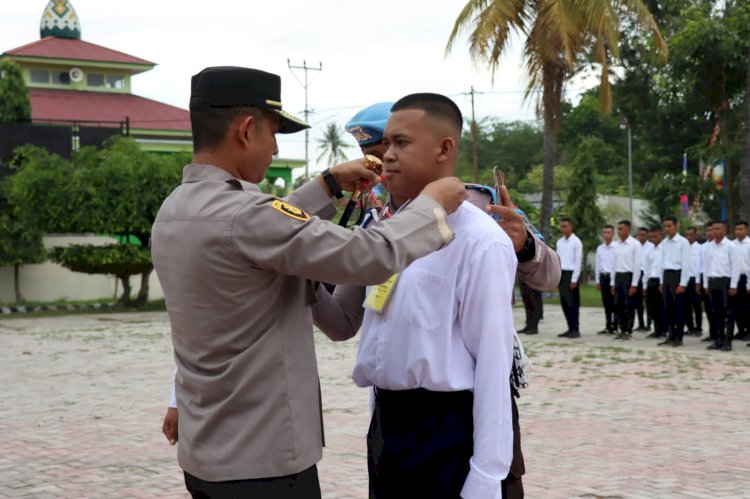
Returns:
<point x="675" y="255"/>
<point x="652" y="269"/>
<point x="570" y="251"/>
<point x="646" y="248"/>
<point x="721" y="260"/>
<point x="605" y="258"/>
<point x="628" y="258"/>
<point x="448" y="326"/>
<point x="696" y="260"/>
<point x="743" y="253"/>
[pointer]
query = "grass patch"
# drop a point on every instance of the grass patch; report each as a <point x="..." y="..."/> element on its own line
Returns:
<point x="152" y="306"/>
<point x="590" y="297"/>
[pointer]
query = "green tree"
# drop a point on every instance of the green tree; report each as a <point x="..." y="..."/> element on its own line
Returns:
<point x="560" y="35"/>
<point x="14" y="96"/>
<point x="580" y="204"/>
<point x="116" y="191"/>
<point x="332" y="145"/>
<point x="20" y="244"/>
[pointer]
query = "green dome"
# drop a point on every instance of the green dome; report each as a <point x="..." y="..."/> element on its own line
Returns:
<point x="60" y="20"/>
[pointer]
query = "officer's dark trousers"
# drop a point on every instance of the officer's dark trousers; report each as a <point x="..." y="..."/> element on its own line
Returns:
<point x="655" y="305"/>
<point x="605" y="283"/>
<point x="512" y="486"/>
<point x="693" y="308"/>
<point x="419" y="443"/>
<point x="639" y="304"/>
<point x="624" y="303"/>
<point x="674" y="305"/>
<point x="718" y="291"/>
<point x="303" y="485"/>
<point x="739" y="308"/>
<point x="570" y="300"/>
<point x="532" y="302"/>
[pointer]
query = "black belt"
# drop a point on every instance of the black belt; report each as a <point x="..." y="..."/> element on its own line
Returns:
<point x="421" y="397"/>
<point x="604" y="274"/>
<point x="624" y="273"/>
<point x="672" y="271"/>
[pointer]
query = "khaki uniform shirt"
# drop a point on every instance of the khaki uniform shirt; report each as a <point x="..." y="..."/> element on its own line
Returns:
<point x="236" y="267"/>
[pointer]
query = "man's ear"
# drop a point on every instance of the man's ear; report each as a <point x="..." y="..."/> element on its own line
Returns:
<point x="245" y="126"/>
<point x="447" y="149"/>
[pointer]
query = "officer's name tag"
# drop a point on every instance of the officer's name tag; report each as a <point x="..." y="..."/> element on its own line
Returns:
<point x="378" y="295"/>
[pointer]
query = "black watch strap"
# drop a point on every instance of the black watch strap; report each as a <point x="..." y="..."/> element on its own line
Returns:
<point x="528" y="251"/>
<point x="332" y="184"/>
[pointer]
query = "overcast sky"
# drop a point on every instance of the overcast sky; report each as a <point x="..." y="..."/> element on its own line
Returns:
<point x="370" y="52"/>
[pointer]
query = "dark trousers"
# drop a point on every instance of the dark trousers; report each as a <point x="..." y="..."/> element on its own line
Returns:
<point x="693" y="308"/>
<point x="605" y="283"/>
<point x="420" y="441"/>
<point x="655" y="305"/>
<point x="711" y="318"/>
<point x="302" y="485"/>
<point x="674" y="305"/>
<point x="718" y="292"/>
<point x="624" y="303"/>
<point x="532" y="302"/>
<point x="639" y="304"/>
<point x="569" y="299"/>
<point x="739" y="305"/>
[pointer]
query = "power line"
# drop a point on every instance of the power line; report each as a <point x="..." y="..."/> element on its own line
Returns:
<point x="306" y="68"/>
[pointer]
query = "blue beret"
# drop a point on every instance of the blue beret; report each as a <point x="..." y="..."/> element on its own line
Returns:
<point x="367" y="125"/>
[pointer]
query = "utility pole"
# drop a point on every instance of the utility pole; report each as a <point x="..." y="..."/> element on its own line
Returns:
<point x="306" y="112"/>
<point x="474" y="150"/>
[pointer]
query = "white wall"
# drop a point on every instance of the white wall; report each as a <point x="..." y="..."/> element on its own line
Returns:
<point x="49" y="281"/>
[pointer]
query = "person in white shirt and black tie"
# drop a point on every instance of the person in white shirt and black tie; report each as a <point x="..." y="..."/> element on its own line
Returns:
<point x="654" y="297"/>
<point x="693" y="294"/>
<point x="675" y="265"/>
<point x="627" y="274"/>
<point x="605" y="274"/>
<point x="721" y="274"/>
<point x="570" y="249"/>
<point x="741" y="302"/>
<point x="646" y="247"/>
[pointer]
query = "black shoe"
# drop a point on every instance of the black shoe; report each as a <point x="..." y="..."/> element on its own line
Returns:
<point x="655" y="335"/>
<point x="564" y="335"/>
<point x="707" y="338"/>
<point x="574" y="334"/>
<point x="714" y="346"/>
<point x="531" y="331"/>
<point x="739" y="336"/>
<point x="643" y="328"/>
<point x="677" y="343"/>
<point x="727" y="347"/>
<point x="523" y="330"/>
<point x="603" y="331"/>
<point x="666" y="342"/>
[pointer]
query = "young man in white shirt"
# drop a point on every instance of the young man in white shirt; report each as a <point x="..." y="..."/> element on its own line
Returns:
<point x="676" y="272"/>
<point x="604" y="278"/>
<point x="654" y="297"/>
<point x="646" y="248"/>
<point x="694" y="295"/>
<point x="721" y="276"/>
<point x="627" y="274"/>
<point x="570" y="249"/>
<point x="741" y="302"/>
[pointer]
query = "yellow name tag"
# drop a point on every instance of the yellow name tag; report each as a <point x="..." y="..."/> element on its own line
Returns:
<point x="378" y="295"/>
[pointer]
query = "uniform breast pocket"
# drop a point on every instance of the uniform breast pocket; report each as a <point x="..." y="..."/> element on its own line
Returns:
<point x="428" y="300"/>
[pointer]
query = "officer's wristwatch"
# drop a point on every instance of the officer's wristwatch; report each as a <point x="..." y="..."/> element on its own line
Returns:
<point x="528" y="251"/>
<point x="332" y="184"/>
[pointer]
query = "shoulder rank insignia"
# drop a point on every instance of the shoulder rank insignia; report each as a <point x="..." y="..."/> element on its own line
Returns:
<point x="289" y="210"/>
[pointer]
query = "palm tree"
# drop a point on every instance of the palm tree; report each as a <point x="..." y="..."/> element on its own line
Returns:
<point x="332" y="145"/>
<point x="560" y="36"/>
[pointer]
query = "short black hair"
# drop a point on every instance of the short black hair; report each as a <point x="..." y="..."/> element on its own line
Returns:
<point x="720" y="222"/>
<point x="741" y="222"/>
<point x="210" y="125"/>
<point x="435" y="105"/>
<point x="566" y="219"/>
<point x="655" y="229"/>
<point x="692" y="227"/>
<point x="642" y="229"/>
<point x="670" y="219"/>
<point x="625" y="222"/>
<point x="608" y="226"/>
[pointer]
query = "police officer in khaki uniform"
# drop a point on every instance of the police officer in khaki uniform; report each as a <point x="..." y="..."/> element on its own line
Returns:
<point x="237" y="268"/>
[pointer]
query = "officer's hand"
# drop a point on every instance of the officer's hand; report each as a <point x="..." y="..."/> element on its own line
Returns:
<point x="598" y="287"/>
<point x="679" y="290"/>
<point x="661" y="288"/>
<point x="698" y="288"/>
<point x="732" y="291"/>
<point x="169" y="427"/>
<point x="573" y="285"/>
<point x="353" y="174"/>
<point x="511" y="221"/>
<point x="449" y="192"/>
<point x="632" y="291"/>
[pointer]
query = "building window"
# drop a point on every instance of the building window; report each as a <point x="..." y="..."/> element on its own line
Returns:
<point x="95" y="79"/>
<point x="39" y="76"/>
<point x="62" y="78"/>
<point x="115" y="81"/>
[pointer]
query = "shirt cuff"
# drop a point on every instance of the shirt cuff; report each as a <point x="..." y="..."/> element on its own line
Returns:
<point x="480" y="486"/>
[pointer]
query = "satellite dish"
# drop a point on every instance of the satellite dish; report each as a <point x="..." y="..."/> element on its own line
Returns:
<point x="76" y="75"/>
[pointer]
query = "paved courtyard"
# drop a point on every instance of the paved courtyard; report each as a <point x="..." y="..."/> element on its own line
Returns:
<point x="82" y="400"/>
